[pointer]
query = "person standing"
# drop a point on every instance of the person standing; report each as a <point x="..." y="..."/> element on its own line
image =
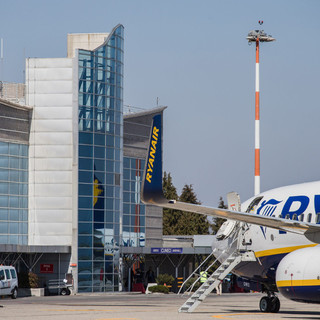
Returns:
<point x="203" y="276"/>
<point x="138" y="281"/>
<point x="219" y="288"/>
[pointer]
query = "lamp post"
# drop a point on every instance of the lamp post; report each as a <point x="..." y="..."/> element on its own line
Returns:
<point x="257" y="36"/>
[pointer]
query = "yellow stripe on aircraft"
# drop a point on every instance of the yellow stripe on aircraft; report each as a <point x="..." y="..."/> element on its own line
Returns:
<point x="272" y="252"/>
<point x="298" y="283"/>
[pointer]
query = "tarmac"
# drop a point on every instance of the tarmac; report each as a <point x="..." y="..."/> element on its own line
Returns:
<point x="126" y="306"/>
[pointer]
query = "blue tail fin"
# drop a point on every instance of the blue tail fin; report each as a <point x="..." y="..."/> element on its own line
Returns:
<point x="152" y="180"/>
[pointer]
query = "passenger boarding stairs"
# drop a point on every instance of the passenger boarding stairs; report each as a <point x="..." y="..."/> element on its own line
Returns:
<point x="215" y="278"/>
<point x="231" y="231"/>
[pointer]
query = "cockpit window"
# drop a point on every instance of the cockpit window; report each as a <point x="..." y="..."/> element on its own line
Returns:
<point x="253" y="205"/>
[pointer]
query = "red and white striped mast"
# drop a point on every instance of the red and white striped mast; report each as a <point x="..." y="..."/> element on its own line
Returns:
<point x="257" y="36"/>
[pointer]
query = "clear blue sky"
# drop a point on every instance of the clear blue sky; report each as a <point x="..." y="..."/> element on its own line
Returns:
<point x="193" y="55"/>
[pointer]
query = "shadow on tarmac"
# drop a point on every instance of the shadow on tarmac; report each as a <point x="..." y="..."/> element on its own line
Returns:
<point x="303" y="314"/>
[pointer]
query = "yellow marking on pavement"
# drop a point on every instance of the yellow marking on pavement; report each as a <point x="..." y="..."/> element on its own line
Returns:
<point x="228" y="315"/>
<point x="119" y="319"/>
<point x="83" y="310"/>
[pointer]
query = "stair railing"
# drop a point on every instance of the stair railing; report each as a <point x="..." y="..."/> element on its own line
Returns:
<point x="189" y="290"/>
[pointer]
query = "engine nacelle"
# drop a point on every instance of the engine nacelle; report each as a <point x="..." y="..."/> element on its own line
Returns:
<point x="298" y="275"/>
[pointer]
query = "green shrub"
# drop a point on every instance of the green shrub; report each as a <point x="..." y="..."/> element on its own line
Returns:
<point x="165" y="279"/>
<point x="159" y="288"/>
<point x="28" y="280"/>
<point x="190" y="282"/>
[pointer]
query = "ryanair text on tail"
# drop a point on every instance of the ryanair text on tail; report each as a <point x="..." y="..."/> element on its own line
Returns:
<point x="152" y="152"/>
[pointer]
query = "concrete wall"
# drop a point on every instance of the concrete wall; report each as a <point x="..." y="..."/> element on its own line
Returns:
<point x="87" y="41"/>
<point x="14" y="122"/>
<point x="154" y="228"/>
<point x="49" y="92"/>
<point x="13" y="92"/>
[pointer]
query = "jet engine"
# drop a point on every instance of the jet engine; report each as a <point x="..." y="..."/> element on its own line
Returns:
<point x="298" y="275"/>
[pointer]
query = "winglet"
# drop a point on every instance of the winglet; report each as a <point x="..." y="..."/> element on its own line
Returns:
<point x="152" y="180"/>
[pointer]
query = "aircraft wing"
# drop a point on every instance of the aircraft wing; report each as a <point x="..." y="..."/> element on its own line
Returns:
<point x="151" y="193"/>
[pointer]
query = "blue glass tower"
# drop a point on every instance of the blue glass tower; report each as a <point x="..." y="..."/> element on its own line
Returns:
<point x="100" y="164"/>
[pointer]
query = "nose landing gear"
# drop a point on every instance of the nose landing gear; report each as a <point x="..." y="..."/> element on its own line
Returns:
<point x="270" y="303"/>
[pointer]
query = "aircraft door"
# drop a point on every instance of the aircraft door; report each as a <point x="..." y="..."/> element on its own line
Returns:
<point x="229" y="226"/>
<point x="234" y="202"/>
<point x="247" y="239"/>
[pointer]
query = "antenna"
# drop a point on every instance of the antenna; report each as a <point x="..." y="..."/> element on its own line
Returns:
<point x="257" y="36"/>
<point x="1" y="58"/>
<point x="1" y="53"/>
<point x="24" y="65"/>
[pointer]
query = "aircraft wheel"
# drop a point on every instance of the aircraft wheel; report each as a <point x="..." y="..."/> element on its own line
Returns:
<point x="265" y="304"/>
<point x="274" y="304"/>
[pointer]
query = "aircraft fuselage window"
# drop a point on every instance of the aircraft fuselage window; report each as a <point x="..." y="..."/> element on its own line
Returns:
<point x="318" y="218"/>
<point x="295" y="217"/>
<point x="309" y="217"/>
<point x="301" y="217"/>
<point x="287" y="216"/>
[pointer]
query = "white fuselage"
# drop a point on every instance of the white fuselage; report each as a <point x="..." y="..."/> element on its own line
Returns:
<point x="297" y="202"/>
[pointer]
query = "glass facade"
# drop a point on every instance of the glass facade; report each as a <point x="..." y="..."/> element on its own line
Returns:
<point x="13" y="193"/>
<point x="100" y="164"/>
<point x="134" y="211"/>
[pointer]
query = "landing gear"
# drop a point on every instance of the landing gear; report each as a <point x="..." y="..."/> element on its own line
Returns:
<point x="269" y="304"/>
<point x="264" y="304"/>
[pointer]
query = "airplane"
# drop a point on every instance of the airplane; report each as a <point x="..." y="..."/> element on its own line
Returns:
<point x="280" y="227"/>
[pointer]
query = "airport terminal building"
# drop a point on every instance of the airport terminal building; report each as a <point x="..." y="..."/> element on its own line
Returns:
<point x="71" y="166"/>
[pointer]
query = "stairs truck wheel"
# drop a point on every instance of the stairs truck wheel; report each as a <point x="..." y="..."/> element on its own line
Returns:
<point x="64" y="292"/>
<point x="265" y="304"/>
<point x="275" y="304"/>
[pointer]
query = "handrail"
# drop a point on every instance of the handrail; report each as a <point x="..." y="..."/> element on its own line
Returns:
<point x="194" y="272"/>
<point x="193" y="284"/>
<point x="189" y="290"/>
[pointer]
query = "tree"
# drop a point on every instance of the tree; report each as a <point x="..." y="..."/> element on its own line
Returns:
<point x="219" y="221"/>
<point x="192" y="223"/>
<point x="169" y="190"/>
<point x="188" y="195"/>
<point x="170" y="217"/>
<point x="176" y="222"/>
<point x="221" y="204"/>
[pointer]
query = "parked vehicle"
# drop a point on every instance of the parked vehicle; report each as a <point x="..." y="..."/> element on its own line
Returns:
<point x="60" y="286"/>
<point x="8" y="282"/>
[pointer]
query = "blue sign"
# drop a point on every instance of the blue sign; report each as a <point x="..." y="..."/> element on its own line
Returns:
<point x="166" y="250"/>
